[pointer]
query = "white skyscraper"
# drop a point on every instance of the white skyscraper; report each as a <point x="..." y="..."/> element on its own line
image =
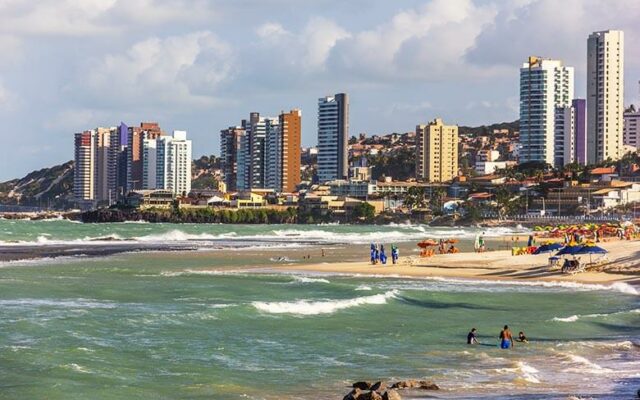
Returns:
<point x="167" y="163"/>
<point x="545" y="85"/>
<point x="333" y="137"/>
<point x="605" y="95"/>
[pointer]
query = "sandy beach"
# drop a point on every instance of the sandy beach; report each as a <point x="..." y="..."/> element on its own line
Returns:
<point x="623" y="265"/>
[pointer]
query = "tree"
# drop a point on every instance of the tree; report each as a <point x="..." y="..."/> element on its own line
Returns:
<point x="363" y="211"/>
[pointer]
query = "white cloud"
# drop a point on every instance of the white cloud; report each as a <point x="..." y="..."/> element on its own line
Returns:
<point x="95" y="17"/>
<point x="424" y="43"/>
<point x="304" y="52"/>
<point x="179" y="71"/>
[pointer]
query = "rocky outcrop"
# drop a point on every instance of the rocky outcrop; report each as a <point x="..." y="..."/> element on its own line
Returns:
<point x="364" y="390"/>
<point x="415" y="384"/>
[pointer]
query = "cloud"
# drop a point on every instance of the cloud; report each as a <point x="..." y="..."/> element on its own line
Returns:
<point x="177" y="71"/>
<point x="418" y="43"/>
<point x="95" y="17"/>
<point x="302" y="52"/>
<point x="553" y="29"/>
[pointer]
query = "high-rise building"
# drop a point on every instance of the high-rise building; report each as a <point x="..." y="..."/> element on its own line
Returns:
<point x="83" y="178"/>
<point x="230" y="139"/>
<point x="545" y="85"/>
<point x="96" y="164"/>
<point x="291" y="142"/>
<point x="135" y="152"/>
<point x="121" y="163"/>
<point x="167" y="163"/>
<point x="282" y="166"/>
<point x="333" y="137"/>
<point x="605" y="95"/>
<point x="632" y="128"/>
<point x="436" y="151"/>
<point x="580" y="130"/>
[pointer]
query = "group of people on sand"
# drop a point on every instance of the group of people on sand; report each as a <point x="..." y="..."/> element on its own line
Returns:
<point x="378" y="255"/>
<point x="506" y="338"/>
<point x="442" y="247"/>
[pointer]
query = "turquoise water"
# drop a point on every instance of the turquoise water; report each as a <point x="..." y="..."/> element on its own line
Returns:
<point x="169" y="325"/>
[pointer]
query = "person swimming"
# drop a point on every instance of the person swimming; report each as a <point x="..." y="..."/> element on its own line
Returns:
<point x="506" y="338"/>
<point x="522" y="338"/>
<point x="471" y="337"/>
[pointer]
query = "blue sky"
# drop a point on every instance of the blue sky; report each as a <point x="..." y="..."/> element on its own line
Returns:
<point x="204" y="65"/>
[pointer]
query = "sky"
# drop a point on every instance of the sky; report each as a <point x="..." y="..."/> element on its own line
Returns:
<point x="201" y="66"/>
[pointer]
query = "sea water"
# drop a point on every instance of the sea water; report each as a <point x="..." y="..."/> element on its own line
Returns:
<point x="225" y="325"/>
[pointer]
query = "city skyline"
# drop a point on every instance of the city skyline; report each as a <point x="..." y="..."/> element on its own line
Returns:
<point x="55" y="84"/>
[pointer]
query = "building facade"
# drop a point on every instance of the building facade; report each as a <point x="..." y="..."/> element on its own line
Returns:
<point x="283" y="159"/>
<point x="84" y="157"/>
<point x="167" y="163"/>
<point x="135" y="152"/>
<point x="436" y="151"/>
<point x="631" y="131"/>
<point x="230" y="139"/>
<point x="605" y="95"/>
<point x="545" y="85"/>
<point x="333" y="137"/>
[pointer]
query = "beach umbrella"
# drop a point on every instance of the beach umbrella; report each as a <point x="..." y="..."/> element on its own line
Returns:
<point x="569" y="250"/>
<point x="591" y="250"/>
<point x="547" y="248"/>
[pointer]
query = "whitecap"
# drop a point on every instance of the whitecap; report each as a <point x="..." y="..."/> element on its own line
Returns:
<point x="306" y="307"/>
<point x="306" y="279"/>
<point x="363" y="288"/>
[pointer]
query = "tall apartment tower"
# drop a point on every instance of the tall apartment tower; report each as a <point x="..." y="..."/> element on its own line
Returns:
<point x="605" y="95"/>
<point x="545" y="85"/>
<point x="135" y="152"/>
<point x="632" y="128"/>
<point x="333" y="137"/>
<point x="282" y="164"/>
<point x="291" y="142"/>
<point x="571" y="134"/>
<point x="167" y="163"/>
<point x="230" y="140"/>
<point x="83" y="178"/>
<point x="436" y="151"/>
<point x="96" y="163"/>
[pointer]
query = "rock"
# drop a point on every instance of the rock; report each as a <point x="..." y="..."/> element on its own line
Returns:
<point x="379" y="386"/>
<point x="415" y="384"/>
<point x="428" y="386"/>
<point x="391" y="395"/>
<point x="363" y="385"/>
<point x="371" y="395"/>
<point x="355" y="394"/>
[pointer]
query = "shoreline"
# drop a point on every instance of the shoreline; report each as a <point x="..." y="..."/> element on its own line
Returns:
<point x="623" y="267"/>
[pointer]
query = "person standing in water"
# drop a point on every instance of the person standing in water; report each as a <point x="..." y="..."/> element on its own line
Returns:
<point x="471" y="337"/>
<point x="506" y="338"/>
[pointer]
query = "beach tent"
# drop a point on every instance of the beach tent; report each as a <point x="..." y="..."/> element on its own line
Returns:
<point x="547" y="248"/>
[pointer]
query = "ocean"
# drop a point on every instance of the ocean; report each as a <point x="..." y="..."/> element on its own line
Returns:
<point x="218" y="322"/>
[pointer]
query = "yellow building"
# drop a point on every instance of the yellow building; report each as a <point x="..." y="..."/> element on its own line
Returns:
<point x="436" y="151"/>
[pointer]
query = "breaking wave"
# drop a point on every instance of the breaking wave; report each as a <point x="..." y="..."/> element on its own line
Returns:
<point x="305" y="307"/>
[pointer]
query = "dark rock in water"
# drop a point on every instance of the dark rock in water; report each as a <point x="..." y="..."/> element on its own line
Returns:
<point x="391" y="395"/>
<point x="363" y="385"/>
<point x="379" y="386"/>
<point x="353" y="395"/>
<point x="415" y="384"/>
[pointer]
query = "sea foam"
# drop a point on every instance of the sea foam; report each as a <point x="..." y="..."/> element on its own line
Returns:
<point x="306" y="307"/>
